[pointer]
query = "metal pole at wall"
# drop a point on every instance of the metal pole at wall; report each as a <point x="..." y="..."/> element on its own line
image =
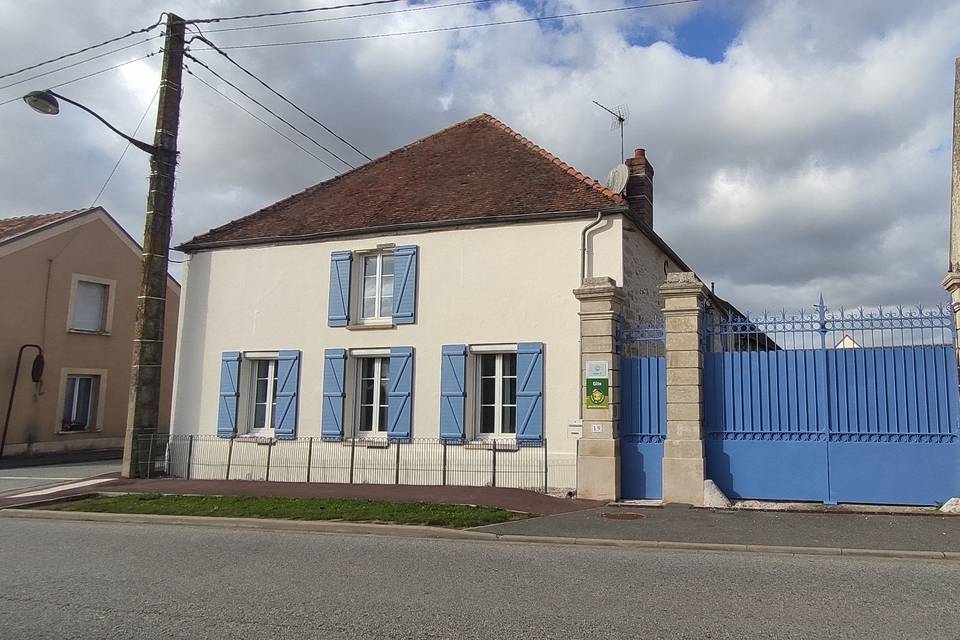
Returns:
<point x="36" y="375"/>
<point x="143" y="414"/>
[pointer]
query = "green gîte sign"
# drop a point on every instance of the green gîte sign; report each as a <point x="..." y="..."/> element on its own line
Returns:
<point x="597" y="384"/>
<point x="598" y="393"/>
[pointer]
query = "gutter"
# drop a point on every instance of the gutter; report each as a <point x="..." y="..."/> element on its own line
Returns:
<point x="520" y="218"/>
<point x="583" y="245"/>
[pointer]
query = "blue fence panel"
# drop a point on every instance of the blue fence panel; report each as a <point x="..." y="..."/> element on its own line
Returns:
<point x="643" y="426"/>
<point x="873" y="419"/>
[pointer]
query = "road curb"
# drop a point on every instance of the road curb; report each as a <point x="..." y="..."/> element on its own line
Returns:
<point x="435" y="533"/>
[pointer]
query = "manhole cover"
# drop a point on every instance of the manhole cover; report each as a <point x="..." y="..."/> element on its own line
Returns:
<point x="621" y="515"/>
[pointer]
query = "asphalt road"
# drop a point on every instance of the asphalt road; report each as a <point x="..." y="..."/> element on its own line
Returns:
<point x="23" y="479"/>
<point x="63" y="579"/>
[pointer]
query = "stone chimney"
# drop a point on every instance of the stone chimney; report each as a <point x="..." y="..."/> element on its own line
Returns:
<point x="640" y="187"/>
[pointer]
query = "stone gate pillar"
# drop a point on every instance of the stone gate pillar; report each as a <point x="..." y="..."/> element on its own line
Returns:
<point x="683" y="454"/>
<point x="598" y="450"/>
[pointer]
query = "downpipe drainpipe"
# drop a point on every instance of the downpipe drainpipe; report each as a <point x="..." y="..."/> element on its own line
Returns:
<point x="583" y="245"/>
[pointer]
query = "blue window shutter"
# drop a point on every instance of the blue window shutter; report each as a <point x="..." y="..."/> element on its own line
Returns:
<point x="334" y="370"/>
<point x="229" y="394"/>
<point x="405" y="284"/>
<point x="400" y="393"/>
<point x="453" y="385"/>
<point x="530" y="391"/>
<point x="338" y="311"/>
<point x="287" y="392"/>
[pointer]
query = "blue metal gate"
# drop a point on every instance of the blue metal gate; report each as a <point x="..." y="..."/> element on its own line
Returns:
<point x="844" y="407"/>
<point x="643" y="411"/>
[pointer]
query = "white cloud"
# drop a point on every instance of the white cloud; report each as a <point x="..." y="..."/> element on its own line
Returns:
<point x="814" y="157"/>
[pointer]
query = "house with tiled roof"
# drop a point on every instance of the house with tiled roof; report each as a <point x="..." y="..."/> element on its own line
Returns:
<point x="69" y="283"/>
<point x="412" y="320"/>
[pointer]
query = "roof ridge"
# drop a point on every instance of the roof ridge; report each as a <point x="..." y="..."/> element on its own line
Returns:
<point x="587" y="180"/>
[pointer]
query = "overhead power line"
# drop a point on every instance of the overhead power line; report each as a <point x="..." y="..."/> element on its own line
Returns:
<point x="85" y="49"/>
<point x="89" y="75"/>
<point x="258" y="119"/>
<point x="457" y="28"/>
<point x="353" y="16"/>
<point x="284" y="98"/>
<point x="79" y="62"/>
<point x="268" y="110"/>
<point x="251" y="16"/>
<point x="125" y="148"/>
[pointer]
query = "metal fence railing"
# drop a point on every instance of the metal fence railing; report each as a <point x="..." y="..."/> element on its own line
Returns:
<point x="419" y="461"/>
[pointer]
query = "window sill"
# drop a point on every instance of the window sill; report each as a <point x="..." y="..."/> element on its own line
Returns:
<point x="255" y="438"/>
<point x="378" y="324"/>
<point x="88" y="333"/>
<point x="61" y="432"/>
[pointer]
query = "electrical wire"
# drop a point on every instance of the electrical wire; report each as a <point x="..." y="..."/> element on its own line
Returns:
<point x="456" y="28"/>
<point x="285" y="99"/>
<point x="85" y="49"/>
<point x="89" y="75"/>
<point x="268" y="110"/>
<point x="351" y="17"/>
<point x="74" y="64"/>
<point x="126" y="148"/>
<point x="259" y="119"/>
<point x="293" y="11"/>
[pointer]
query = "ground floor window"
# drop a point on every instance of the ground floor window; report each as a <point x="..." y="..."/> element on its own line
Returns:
<point x="263" y="396"/>
<point x="497" y="406"/>
<point x="80" y="403"/>
<point x="374" y="374"/>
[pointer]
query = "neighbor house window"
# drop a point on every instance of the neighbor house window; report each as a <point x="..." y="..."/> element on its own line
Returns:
<point x="373" y="375"/>
<point x="90" y="304"/>
<point x="80" y="397"/>
<point x="377" y="291"/>
<point x="263" y="396"/>
<point x="497" y="397"/>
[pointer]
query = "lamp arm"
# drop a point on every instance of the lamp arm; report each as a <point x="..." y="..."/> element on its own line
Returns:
<point x="143" y="146"/>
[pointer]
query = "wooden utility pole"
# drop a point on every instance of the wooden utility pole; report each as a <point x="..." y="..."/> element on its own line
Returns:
<point x="955" y="190"/>
<point x="143" y="414"/>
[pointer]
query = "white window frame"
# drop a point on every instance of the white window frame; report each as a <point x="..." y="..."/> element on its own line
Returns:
<point x="111" y="285"/>
<point x="97" y="405"/>
<point x="481" y="351"/>
<point x="252" y="361"/>
<point x="378" y="318"/>
<point x="379" y="356"/>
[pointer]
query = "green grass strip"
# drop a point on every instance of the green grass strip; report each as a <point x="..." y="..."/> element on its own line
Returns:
<point x="419" y="513"/>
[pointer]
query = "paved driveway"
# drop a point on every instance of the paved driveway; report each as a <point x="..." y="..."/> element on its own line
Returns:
<point x="30" y="479"/>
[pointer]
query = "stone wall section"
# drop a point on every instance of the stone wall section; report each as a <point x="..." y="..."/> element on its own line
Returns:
<point x="644" y="270"/>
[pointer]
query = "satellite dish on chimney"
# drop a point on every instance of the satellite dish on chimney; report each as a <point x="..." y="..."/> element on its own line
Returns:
<point x="617" y="179"/>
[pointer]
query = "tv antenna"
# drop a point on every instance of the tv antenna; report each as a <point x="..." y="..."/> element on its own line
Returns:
<point x="620" y="116"/>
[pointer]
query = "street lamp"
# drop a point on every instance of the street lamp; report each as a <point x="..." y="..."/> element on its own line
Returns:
<point x="143" y="413"/>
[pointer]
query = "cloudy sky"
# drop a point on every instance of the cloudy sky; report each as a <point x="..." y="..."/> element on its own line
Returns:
<point x="800" y="146"/>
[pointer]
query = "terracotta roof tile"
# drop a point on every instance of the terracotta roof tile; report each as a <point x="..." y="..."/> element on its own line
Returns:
<point x="10" y="227"/>
<point x="479" y="168"/>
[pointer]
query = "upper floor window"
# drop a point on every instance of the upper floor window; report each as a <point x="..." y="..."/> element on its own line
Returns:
<point x="377" y="300"/>
<point x="90" y="304"/>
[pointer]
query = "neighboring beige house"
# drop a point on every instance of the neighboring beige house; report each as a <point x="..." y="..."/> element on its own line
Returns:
<point x="68" y="283"/>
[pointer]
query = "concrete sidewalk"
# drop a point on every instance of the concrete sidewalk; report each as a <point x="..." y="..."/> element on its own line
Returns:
<point x="763" y="528"/>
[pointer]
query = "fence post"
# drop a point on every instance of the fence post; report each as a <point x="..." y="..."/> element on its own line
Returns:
<point x="396" y="479"/>
<point x="269" y="451"/>
<point x="494" y="449"/>
<point x="309" y="456"/>
<point x="443" y="465"/>
<point x="229" y="457"/>
<point x="598" y="450"/>
<point x="189" y="454"/>
<point x="545" y="467"/>
<point x="353" y="446"/>
<point x="150" y="458"/>
<point x="683" y="453"/>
